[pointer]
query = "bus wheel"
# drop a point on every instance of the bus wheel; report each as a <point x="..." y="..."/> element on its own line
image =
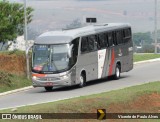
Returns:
<point x="82" y="80"/>
<point x="117" y="72"/>
<point x="48" y="88"/>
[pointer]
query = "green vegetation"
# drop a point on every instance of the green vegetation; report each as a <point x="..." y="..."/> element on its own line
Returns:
<point x="14" y="52"/>
<point x="145" y="40"/>
<point x="103" y="100"/>
<point x="140" y="38"/>
<point x="143" y="57"/>
<point x="12" y="20"/>
<point x="10" y="81"/>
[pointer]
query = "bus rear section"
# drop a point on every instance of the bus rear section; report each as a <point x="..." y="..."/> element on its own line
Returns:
<point x="107" y="53"/>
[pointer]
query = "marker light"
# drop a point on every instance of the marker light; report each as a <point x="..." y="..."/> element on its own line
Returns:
<point x="34" y="77"/>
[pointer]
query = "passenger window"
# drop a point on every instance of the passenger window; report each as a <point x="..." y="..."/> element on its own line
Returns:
<point x="102" y="41"/>
<point x="110" y="39"/>
<point x="127" y="32"/>
<point x="127" y="35"/>
<point x="114" y="38"/>
<point x="84" y="44"/>
<point x="119" y="36"/>
<point x="75" y="44"/>
<point x="91" y="43"/>
<point x="97" y="44"/>
<point x="123" y="36"/>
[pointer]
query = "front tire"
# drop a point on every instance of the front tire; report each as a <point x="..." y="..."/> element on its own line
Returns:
<point x="117" y="72"/>
<point x="48" y="88"/>
<point x="82" y="80"/>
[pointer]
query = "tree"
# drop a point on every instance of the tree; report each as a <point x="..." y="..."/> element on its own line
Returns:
<point x="75" y="24"/>
<point x="12" y="20"/>
<point x="138" y="38"/>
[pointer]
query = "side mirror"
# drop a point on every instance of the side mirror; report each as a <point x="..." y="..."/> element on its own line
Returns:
<point x="27" y="50"/>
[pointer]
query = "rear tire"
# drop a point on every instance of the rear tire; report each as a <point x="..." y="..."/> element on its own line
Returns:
<point x="82" y="80"/>
<point x="48" y="88"/>
<point x="117" y="72"/>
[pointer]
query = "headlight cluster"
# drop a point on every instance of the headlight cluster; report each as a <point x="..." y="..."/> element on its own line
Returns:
<point x="64" y="77"/>
<point x="51" y="78"/>
<point x="34" y="78"/>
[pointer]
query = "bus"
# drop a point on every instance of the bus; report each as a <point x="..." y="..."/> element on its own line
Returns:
<point x="76" y="56"/>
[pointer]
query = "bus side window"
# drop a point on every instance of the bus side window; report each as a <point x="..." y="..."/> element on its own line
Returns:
<point x="91" y="43"/>
<point x="84" y="44"/>
<point x="102" y="40"/>
<point x="119" y="36"/>
<point x="127" y="34"/>
<point x="97" y="44"/>
<point x="110" y="39"/>
<point x="106" y="39"/>
<point x="114" y="38"/>
<point x="123" y="36"/>
<point x="75" y="43"/>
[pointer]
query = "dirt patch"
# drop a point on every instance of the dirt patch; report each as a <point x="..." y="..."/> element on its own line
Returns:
<point x="13" y="64"/>
<point x="148" y="103"/>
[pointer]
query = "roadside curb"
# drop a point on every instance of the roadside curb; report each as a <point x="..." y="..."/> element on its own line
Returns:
<point x="29" y="87"/>
<point x="16" y="90"/>
<point x="147" y="61"/>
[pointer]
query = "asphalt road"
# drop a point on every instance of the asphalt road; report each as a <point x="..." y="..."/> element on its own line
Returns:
<point x="142" y="73"/>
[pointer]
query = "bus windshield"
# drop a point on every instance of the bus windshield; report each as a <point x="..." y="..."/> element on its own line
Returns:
<point x="51" y="58"/>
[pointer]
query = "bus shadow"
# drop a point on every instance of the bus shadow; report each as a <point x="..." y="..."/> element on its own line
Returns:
<point x="90" y="83"/>
<point x="99" y="81"/>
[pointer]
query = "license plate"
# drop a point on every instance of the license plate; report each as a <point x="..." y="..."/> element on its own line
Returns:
<point x="49" y="84"/>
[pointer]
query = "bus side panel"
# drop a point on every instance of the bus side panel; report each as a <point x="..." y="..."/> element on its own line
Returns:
<point x="112" y="61"/>
<point x="102" y="64"/>
<point x="73" y="75"/>
<point x="106" y="66"/>
<point x="127" y="57"/>
<point x="130" y="56"/>
<point x="88" y="62"/>
<point x="123" y="56"/>
<point x="109" y="62"/>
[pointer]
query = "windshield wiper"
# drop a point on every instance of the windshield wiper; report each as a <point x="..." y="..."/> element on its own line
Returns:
<point x="52" y="61"/>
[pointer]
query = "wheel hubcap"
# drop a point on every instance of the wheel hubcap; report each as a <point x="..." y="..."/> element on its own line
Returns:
<point x="117" y="72"/>
<point x="81" y="80"/>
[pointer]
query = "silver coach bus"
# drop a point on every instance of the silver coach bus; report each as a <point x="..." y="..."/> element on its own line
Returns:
<point x="73" y="57"/>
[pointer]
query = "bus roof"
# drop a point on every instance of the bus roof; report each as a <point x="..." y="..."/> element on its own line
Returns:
<point x="66" y="36"/>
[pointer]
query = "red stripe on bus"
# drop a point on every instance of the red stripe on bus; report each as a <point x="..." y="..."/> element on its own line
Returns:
<point x="112" y="63"/>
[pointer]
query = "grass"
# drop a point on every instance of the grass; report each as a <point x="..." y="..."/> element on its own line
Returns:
<point x="14" y="52"/>
<point x="142" y="57"/>
<point x="90" y="104"/>
<point x="10" y="81"/>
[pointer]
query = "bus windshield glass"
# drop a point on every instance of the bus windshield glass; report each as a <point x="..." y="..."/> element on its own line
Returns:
<point x="51" y="58"/>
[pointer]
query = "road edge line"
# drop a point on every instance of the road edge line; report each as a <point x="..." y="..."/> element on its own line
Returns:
<point x="147" y="61"/>
<point x="16" y="90"/>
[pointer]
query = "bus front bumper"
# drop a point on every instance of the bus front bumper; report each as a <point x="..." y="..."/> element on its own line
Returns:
<point x="51" y="83"/>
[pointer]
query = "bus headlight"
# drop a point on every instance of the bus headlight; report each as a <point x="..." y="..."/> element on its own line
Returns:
<point x="34" y="78"/>
<point x="64" y="77"/>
